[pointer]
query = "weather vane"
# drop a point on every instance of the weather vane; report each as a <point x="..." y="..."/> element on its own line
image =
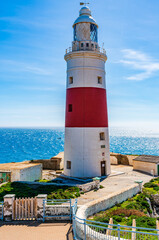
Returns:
<point x="84" y="3"/>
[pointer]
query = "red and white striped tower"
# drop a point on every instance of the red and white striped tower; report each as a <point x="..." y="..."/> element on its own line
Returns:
<point x="86" y="151"/>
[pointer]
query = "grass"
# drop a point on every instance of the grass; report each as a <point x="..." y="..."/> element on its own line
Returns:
<point x="134" y="208"/>
<point x="26" y="190"/>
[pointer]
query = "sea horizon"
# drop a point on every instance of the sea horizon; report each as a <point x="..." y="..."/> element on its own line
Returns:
<point x="29" y="143"/>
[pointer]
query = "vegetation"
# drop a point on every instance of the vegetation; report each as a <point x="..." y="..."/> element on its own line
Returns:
<point x="26" y="190"/>
<point x="134" y="208"/>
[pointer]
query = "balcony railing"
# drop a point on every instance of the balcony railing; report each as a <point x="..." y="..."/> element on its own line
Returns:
<point x="75" y="49"/>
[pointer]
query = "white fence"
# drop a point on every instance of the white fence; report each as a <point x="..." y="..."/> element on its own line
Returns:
<point x="91" y="230"/>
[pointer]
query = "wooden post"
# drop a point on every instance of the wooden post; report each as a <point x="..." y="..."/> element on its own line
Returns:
<point x="32" y="207"/>
<point x="16" y="208"/>
<point x="29" y="208"/>
<point x="26" y="209"/>
<point x="19" y="208"/>
<point x="23" y="208"/>
<point x="109" y="226"/>
<point x="133" y="235"/>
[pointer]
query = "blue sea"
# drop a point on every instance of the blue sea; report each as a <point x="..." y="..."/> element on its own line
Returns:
<point x="19" y="144"/>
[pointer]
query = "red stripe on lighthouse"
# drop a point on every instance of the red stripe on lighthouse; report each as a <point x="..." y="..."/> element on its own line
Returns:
<point x="86" y="107"/>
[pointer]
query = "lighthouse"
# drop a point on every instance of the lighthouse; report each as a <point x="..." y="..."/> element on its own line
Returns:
<point x="86" y="150"/>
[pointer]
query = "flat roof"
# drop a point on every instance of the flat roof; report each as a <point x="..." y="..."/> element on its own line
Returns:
<point x="147" y="158"/>
<point x="17" y="165"/>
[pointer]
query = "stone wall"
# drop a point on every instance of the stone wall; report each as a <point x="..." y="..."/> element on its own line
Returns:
<point x="49" y="164"/>
<point x="89" y="186"/>
<point x="57" y="210"/>
<point x="116" y="158"/>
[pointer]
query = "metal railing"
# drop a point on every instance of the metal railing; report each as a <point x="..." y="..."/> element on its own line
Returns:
<point x="56" y="203"/>
<point x="100" y="50"/>
<point x="1" y="210"/>
<point x="87" y="229"/>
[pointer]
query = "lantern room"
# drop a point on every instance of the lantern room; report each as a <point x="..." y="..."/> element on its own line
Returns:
<point x="85" y="36"/>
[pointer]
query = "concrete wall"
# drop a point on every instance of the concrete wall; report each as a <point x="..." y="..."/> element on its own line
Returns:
<point x="145" y="167"/>
<point x="15" y="175"/>
<point x="31" y="173"/>
<point x="101" y="204"/>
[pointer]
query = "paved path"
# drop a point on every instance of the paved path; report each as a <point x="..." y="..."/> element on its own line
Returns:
<point x="115" y="183"/>
<point x="35" y="231"/>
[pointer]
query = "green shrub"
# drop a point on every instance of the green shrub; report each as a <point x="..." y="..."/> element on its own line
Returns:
<point x="146" y="222"/>
<point x="151" y="185"/>
<point x="117" y="219"/>
<point x="133" y="205"/>
<point x="26" y="190"/>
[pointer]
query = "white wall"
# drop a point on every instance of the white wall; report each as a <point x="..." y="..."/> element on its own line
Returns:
<point x="85" y="72"/>
<point x="31" y="173"/>
<point x="83" y="149"/>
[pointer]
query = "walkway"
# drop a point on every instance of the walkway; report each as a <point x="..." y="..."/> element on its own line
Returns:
<point x="115" y="183"/>
<point x="35" y="231"/>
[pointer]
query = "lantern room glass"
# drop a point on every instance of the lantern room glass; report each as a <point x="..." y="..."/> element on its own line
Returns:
<point x="74" y="33"/>
<point x="93" y="32"/>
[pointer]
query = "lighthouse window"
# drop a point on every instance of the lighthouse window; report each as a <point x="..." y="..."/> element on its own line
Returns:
<point x="70" y="107"/>
<point x="100" y="80"/>
<point x="70" y="80"/>
<point x="102" y="146"/>
<point x="87" y="44"/>
<point x="81" y="44"/>
<point x="102" y="136"/>
<point x="68" y="164"/>
<point x="93" y="33"/>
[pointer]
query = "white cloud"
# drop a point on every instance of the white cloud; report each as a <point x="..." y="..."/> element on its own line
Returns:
<point x="141" y="62"/>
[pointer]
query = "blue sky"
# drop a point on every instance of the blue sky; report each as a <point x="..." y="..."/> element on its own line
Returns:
<point x="33" y="37"/>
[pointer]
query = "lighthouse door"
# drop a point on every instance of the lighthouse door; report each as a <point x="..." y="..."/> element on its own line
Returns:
<point x="102" y="168"/>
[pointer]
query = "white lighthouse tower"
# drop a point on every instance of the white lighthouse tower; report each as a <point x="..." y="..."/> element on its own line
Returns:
<point x="86" y="152"/>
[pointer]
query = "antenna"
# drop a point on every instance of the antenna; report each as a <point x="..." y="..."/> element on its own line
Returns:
<point x="84" y="3"/>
